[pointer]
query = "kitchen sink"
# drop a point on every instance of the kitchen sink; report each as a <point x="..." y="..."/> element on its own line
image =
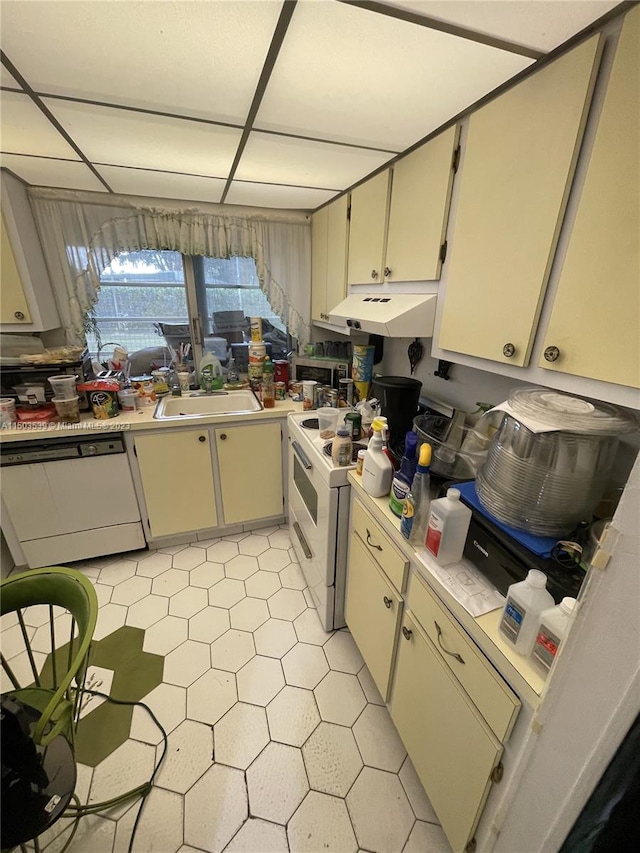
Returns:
<point x="242" y="401"/>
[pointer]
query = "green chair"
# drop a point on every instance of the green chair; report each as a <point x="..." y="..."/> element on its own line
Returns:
<point x="57" y="693"/>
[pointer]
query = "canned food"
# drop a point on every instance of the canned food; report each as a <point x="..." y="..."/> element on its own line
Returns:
<point x="295" y="390"/>
<point x="331" y="397"/>
<point x="354" y="422"/>
<point x="309" y="394"/>
<point x="346" y="392"/>
<point x="281" y="390"/>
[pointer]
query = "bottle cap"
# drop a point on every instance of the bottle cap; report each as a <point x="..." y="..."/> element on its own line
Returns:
<point x="343" y="430"/>
<point x="267" y="366"/>
<point x="361" y="454"/>
<point x="454" y="495"/>
<point x="537" y="578"/>
<point x="424" y="459"/>
<point x="378" y="424"/>
<point x="568" y="605"/>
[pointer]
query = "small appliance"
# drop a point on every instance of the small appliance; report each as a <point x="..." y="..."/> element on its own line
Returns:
<point x="324" y="371"/>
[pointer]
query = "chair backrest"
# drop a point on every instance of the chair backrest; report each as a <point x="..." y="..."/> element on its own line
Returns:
<point x="61" y="587"/>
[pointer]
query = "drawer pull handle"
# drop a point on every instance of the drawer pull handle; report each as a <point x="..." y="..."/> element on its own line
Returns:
<point x="370" y="543"/>
<point x="446" y="651"/>
<point x="303" y="542"/>
<point x="406" y="632"/>
<point x="387" y="602"/>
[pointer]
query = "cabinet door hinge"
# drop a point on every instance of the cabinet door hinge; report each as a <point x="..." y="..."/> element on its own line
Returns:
<point x="455" y="162"/>
<point x="349" y="212"/>
<point x="497" y="773"/>
<point x="135" y="450"/>
<point x="443" y="252"/>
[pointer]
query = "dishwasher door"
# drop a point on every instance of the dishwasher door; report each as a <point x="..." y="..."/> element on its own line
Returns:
<point x="72" y="509"/>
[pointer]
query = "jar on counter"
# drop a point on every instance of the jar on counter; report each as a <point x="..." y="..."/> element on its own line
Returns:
<point x="160" y="381"/>
<point x="341" y="448"/>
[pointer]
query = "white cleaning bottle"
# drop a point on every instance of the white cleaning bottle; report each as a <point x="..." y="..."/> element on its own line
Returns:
<point x="377" y="470"/>
<point x="521" y="615"/>
<point x="553" y="628"/>
<point x="447" y="528"/>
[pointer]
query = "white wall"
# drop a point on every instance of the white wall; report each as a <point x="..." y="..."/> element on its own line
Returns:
<point x="593" y="699"/>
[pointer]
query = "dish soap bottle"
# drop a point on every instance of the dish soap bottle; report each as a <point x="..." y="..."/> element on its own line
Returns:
<point x="415" y="513"/>
<point x="210" y="372"/>
<point x="377" y="470"/>
<point x="521" y="615"/>
<point x="268" y="387"/>
<point x="403" y="477"/>
<point x="447" y="528"/>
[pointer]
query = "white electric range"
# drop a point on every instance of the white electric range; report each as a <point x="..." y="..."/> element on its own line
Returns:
<point x="319" y="516"/>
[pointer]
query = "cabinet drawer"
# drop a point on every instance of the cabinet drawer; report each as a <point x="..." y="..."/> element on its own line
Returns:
<point x="372" y="611"/>
<point x="380" y="546"/>
<point x="492" y="696"/>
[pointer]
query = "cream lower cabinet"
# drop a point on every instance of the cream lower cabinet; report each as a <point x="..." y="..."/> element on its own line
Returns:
<point x="452" y="748"/>
<point x="373" y="610"/>
<point x="176" y="470"/>
<point x="250" y="465"/>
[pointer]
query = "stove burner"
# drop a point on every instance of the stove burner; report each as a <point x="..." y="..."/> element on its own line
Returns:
<point x="354" y="452"/>
<point x="310" y="423"/>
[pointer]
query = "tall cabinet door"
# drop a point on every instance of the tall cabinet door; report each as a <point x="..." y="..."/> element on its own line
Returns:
<point x="451" y="747"/>
<point x="598" y="297"/>
<point x="337" y="238"/>
<point x="250" y="461"/>
<point x="422" y="184"/>
<point x="177" y="480"/>
<point x="14" y="307"/>
<point x="517" y="170"/>
<point x="369" y="203"/>
<point x="319" y="222"/>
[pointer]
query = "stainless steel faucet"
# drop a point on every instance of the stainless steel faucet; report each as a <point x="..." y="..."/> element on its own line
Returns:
<point x="208" y="383"/>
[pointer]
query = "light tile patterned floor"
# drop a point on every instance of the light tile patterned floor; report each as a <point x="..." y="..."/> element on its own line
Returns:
<point x="278" y="738"/>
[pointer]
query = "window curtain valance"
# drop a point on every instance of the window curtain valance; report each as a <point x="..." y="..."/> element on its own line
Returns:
<point x="80" y="240"/>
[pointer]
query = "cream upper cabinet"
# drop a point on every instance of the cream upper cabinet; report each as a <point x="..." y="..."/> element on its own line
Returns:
<point x="517" y="170"/>
<point x="27" y="303"/>
<point x="329" y="236"/>
<point x="594" y="329"/>
<point x="420" y="197"/>
<point x="250" y="463"/>
<point x="177" y="480"/>
<point x="367" y="230"/>
<point x="14" y="307"/>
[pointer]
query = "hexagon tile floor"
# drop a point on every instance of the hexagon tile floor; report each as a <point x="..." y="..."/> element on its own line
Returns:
<point x="278" y="738"/>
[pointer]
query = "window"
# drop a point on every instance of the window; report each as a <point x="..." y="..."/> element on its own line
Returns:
<point x="142" y="291"/>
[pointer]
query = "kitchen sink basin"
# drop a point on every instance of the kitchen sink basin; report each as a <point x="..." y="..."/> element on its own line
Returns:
<point x="197" y="405"/>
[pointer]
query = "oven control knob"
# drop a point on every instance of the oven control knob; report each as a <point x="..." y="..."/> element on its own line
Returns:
<point x="356" y="324"/>
<point x="90" y="450"/>
<point x="349" y="323"/>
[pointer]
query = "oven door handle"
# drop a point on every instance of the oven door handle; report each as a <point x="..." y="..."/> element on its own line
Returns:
<point x="303" y="541"/>
<point x="301" y="455"/>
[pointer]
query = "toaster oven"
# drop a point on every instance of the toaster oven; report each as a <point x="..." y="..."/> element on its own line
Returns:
<point x="325" y="371"/>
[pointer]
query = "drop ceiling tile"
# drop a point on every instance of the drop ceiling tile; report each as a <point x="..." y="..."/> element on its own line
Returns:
<point x="26" y="130"/>
<point x="44" y="172"/>
<point x="285" y="160"/>
<point x="6" y="79"/>
<point x="542" y="25"/>
<point x="384" y="82"/>
<point x="148" y="182"/>
<point x="126" y="138"/>
<point x="275" y="195"/>
<point x="186" y="57"/>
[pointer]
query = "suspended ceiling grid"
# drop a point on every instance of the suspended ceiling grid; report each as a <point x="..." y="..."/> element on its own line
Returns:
<point x="273" y="103"/>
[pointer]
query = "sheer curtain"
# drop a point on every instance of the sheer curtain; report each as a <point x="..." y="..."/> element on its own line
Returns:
<point x="80" y="238"/>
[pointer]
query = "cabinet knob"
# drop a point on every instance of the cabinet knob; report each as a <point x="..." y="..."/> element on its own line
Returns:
<point x="508" y="350"/>
<point x="223" y="436"/>
<point x="387" y="602"/>
<point x="374" y="274"/>
<point x="202" y="438"/>
<point x="18" y="315"/>
<point x="406" y="632"/>
<point x="552" y="354"/>
<point x="387" y="272"/>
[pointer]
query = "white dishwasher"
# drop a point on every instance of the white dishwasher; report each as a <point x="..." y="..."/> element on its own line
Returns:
<point x="66" y="499"/>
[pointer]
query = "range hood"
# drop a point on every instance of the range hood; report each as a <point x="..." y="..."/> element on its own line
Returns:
<point x="395" y="315"/>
